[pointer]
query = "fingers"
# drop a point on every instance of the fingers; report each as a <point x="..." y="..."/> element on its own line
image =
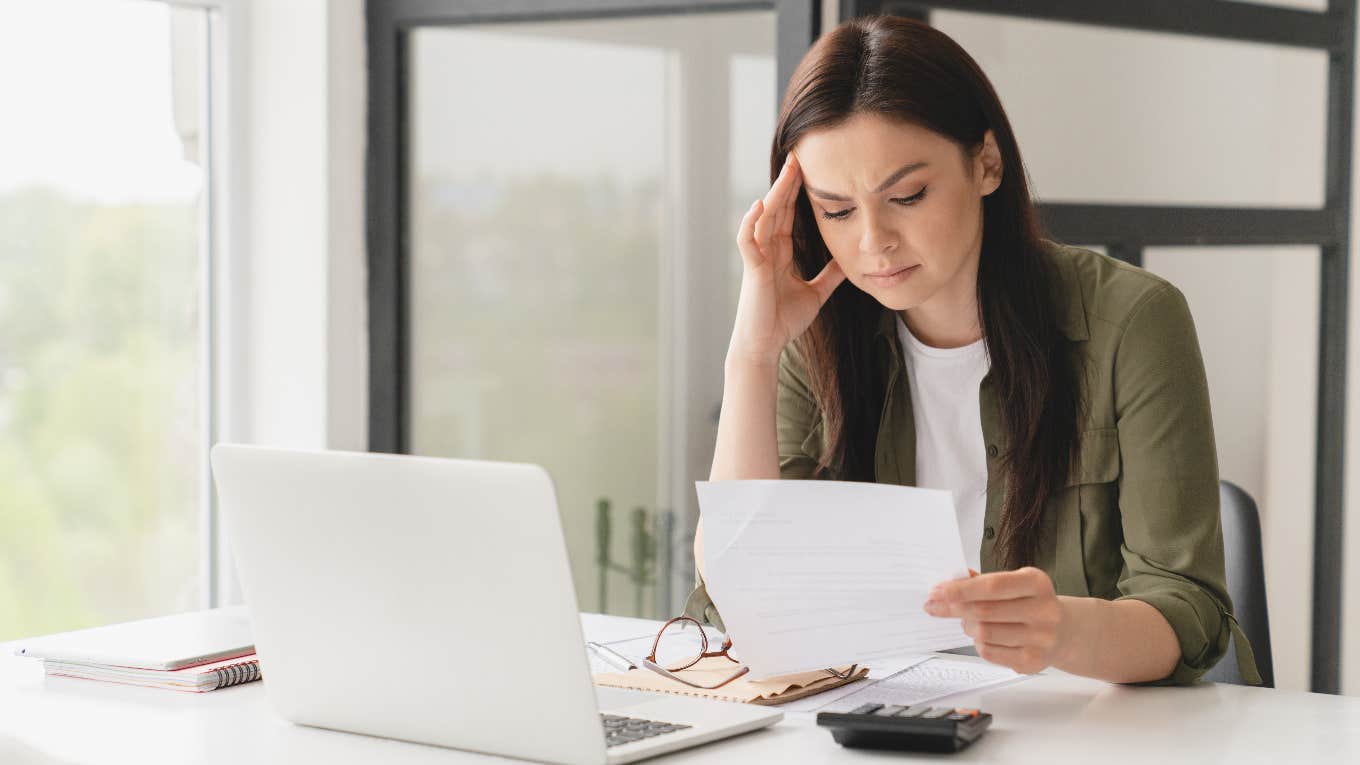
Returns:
<point x="746" y="237"/>
<point x="1014" y="617"/>
<point x="997" y="633"/>
<point x="1023" y="583"/>
<point x="1024" y="648"/>
<point x="828" y="280"/>
<point x="795" y="172"/>
<point x="777" y="198"/>
<point x="774" y="228"/>
<point x="1017" y="610"/>
<point x="1026" y="660"/>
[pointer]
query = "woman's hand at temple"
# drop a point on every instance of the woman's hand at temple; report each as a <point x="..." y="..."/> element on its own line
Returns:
<point x="776" y="306"/>
<point x="776" y="303"/>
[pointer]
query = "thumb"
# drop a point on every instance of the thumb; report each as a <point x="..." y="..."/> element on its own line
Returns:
<point x="828" y="280"/>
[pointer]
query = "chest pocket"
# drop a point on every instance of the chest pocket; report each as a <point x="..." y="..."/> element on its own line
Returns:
<point x="1093" y="534"/>
<point x="812" y="446"/>
<point x="814" y="443"/>
<point x="1098" y="457"/>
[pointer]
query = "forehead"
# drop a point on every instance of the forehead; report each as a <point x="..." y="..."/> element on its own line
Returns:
<point x="859" y="153"/>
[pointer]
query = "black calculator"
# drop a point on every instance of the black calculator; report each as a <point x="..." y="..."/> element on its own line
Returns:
<point x="910" y="728"/>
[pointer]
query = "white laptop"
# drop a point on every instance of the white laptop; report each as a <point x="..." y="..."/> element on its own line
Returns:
<point x="430" y="600"/>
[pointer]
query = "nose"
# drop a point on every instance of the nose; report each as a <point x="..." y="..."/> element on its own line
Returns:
<point x="877" y="238"/>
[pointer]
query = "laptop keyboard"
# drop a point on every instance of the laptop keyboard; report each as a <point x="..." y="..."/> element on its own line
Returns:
<point x="625" y="730"/>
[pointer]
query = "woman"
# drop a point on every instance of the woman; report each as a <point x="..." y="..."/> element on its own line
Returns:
<point x="1059" y="394"/>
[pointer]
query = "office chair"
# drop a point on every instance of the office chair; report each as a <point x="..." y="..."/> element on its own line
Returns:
<point x="1246" y="584"/>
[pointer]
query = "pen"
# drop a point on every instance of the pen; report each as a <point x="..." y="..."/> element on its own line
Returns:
<point x="611" y="657"/>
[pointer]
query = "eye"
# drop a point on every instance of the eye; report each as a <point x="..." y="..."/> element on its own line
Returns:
<point x="913" y="199"/>
<point x="904" y="201"/>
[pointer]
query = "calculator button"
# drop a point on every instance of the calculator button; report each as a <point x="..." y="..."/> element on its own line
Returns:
<point x="969" y="712"/>
<point x="915" y="711"/>
<point x="889" y="710"/>
<point x="936" y="713"/>
<point x="866" y="709"/>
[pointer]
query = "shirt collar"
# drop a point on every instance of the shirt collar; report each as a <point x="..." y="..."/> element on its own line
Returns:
<point x="1071" y="306"/>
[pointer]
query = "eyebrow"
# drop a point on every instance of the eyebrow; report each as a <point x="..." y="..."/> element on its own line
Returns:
<point x="898" y="175"/>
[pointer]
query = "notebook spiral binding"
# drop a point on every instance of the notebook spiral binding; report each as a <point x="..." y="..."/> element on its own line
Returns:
<point x="235" y="674"/>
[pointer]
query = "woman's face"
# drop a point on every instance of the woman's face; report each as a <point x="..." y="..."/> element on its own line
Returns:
<point x="899" y="206"/>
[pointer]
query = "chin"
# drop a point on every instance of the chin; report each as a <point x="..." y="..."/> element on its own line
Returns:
<point x="896" y="299"/>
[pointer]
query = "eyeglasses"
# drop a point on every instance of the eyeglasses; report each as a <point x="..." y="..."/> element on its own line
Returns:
<point x="703" y="653"/>
<point x="725" y="651"/>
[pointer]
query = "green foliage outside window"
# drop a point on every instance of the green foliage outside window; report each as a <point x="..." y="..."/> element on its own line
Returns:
<point x="99" y="411"/>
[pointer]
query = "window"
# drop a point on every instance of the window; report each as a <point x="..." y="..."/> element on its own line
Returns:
<point x="552" y="267"/>
<point x="104" y="353"/>
<point x="573" y="271"/>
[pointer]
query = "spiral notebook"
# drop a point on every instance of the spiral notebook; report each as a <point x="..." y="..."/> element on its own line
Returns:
<point x="197" y="679"/>
<point x="165" y="642"/>
<point x="195" y="651"/>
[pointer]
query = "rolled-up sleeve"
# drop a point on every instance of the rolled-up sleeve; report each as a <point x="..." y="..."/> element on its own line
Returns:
<point x="797" y="429"/>
<point x="796" y="418"/>
<point x="1168" y="487"/>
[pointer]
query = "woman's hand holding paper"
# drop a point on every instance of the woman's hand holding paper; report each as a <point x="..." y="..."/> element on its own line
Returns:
<point x="1014" y="617"/>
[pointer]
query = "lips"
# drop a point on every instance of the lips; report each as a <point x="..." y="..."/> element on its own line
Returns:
<point x="893" y="276"/>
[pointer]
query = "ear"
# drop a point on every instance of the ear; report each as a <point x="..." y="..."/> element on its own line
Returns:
<point x="988" y="162"/>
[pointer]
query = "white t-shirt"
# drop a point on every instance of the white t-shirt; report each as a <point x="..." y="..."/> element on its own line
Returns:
<point x="950" y="453"/>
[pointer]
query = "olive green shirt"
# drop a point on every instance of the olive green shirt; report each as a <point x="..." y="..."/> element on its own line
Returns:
<point x="1139" y="515"/>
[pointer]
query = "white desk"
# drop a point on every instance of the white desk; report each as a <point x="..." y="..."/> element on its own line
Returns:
<point x="1051" y="719"/>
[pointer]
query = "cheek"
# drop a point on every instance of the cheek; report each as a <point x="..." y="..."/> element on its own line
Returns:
<point x="842" y="240"/>
<point x="951" y="222"/>
<point x="839" y="239"/>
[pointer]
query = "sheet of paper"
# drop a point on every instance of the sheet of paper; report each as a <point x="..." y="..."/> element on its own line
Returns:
<point x="923" y="683"/>
<point x="880" y="670"/>
<point x="606" y="628"/>
<point x="812" y="574"/>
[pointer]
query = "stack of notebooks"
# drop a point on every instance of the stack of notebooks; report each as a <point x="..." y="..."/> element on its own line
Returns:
<point x="195" y="652"/>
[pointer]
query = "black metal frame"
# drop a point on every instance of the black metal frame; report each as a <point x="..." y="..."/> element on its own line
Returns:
<point x="388" y="22"/>
<point x="1128" y="229"/>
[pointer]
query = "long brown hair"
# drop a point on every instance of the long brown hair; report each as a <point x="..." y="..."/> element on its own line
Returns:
<point x="908" y="71"/>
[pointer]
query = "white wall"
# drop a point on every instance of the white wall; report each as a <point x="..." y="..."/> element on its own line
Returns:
<point x="293" y="344"/>
<point x="299" y="304"/>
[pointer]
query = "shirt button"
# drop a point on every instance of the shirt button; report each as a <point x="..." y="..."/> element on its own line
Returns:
<point x="989" y="532"/>
<point x="992" y="451"/>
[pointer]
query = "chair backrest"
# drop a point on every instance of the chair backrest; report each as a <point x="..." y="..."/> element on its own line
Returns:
<point x="1246" y="584"/>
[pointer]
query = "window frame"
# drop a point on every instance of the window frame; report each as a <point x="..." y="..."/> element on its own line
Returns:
<point x="220" y="227"/>
<point x="222" y="303"/>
